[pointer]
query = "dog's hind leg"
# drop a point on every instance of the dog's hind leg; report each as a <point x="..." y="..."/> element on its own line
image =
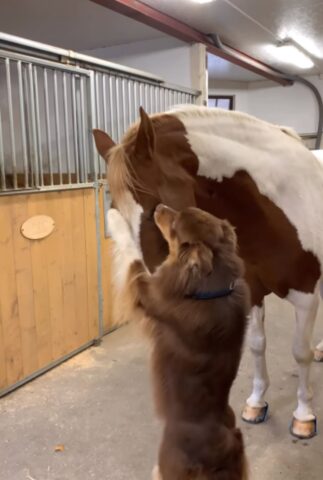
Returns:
<point x="256" y="408"/>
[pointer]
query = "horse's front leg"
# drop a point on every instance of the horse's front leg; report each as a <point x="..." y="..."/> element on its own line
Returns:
<point x="306" y="305"/>
<point x="318" y="352"/>
<point x="256" y="407"/>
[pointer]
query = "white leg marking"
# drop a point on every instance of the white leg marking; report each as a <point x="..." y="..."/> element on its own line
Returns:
<point x="156" y="473"/>
<point x="320" y="346"/>
<point x="306" y="306"/>
<point x="125" y="248"/>
<point x="257" y="343"/>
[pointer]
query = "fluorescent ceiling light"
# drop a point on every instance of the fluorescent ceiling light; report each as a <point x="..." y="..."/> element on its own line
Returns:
<point x="202" y="1"/>
<point x="288" y="53"/>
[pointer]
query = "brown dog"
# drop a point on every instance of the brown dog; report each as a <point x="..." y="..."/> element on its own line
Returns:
<point x="196" y="304"/>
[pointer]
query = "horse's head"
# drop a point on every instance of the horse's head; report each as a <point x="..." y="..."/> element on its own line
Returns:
<point x="153" y="164"/>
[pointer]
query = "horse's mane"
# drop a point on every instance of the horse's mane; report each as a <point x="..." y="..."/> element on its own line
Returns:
<point x="122" y="176"/>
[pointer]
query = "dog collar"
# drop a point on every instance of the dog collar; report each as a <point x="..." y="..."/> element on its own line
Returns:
<point x="225" y="292"/>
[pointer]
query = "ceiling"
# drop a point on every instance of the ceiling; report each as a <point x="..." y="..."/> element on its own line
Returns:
<point x="254" y="25"/>
<point x="220" y="69"/>
<point x="248" y="25"/>
<point x="72" y="24"/>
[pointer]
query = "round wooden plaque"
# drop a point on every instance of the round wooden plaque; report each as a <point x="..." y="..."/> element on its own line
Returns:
<point x="37" y="227"/>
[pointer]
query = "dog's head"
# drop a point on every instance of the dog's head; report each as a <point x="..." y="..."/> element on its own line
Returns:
<point x="196" y="239"/>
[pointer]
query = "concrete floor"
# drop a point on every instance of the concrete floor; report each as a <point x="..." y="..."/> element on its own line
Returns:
<point x="98" y="406"/>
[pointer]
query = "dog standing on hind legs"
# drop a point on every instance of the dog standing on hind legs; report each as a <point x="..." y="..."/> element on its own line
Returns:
<point x="195" y="305"/>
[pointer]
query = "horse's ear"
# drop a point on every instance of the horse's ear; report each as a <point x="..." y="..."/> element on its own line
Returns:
<point x="145" y="142"/>
<point x="103" y="143"/>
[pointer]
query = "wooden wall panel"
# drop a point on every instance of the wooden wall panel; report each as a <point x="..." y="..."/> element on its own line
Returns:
<point x="8" y="296"/>
<point x="48" y="287"/>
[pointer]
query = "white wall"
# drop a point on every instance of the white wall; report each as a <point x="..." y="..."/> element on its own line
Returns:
<point x="165" y="57"/>
<point x="238" y="89"/>
<point x="294" y="106"/>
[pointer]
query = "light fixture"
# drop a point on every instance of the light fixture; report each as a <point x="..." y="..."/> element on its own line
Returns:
<point x="202" y="1"/>
<point x="289" y="52"/>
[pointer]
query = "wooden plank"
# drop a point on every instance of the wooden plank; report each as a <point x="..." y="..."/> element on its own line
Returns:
<point x="63" y="216"/>
<point x="81" y="326"/>
<point x="91" y="262"/>
<point x="8" y="297"/>
<point x="55" y="248"/>
<point x="3" y="372"/>
<point x="36" y="205"/>
<point x="24" y="282"/>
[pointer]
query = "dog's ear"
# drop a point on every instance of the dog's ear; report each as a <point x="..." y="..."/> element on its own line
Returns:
<point x="229" y="234"/>
<point x="197" y="257"/>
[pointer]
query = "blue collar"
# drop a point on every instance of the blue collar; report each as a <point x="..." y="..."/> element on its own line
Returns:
<point x="225" y="292"/>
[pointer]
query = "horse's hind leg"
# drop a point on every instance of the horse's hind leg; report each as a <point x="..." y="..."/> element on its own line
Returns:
<point x="318" y="352"/>
<point x="306" y="305"/>
<point x="255" y="410"/>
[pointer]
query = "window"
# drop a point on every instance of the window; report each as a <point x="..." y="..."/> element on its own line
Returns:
<point x="221" y="101"/>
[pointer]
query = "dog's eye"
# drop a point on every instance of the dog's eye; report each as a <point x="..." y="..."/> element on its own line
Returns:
<point x="185" y="245"/>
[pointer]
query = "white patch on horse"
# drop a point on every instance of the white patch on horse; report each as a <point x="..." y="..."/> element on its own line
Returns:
<point x="131" y="211"/>
<point x="125" y="250"/>
<point x="283" y="169"/>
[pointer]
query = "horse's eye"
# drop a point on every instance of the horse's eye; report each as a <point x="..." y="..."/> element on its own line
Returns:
<point x="150" y="214"/>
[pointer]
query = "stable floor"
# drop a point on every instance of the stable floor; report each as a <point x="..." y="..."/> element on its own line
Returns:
<point x="96" y="410"/>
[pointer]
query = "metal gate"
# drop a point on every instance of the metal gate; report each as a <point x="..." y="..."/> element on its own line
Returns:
<point x="55" y="295"/>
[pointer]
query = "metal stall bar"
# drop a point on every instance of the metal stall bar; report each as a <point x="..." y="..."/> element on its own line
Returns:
<point x="91" y="115"/>
<point x="75" y="131"/>
<point x="48" y="130"/>
<point x="58" y="140"/>
<point x="84" y="136"/>
<point x="34" y="160"/>
<point x="23" y="123"/>
<point x="67" y="129"/>
<point x="130" y="95"/>
<point x="136" y="98"/>
<point x="123" y="103"/>
<point x="11" y="124"/>
<point x="119" y="125"/>
<point x="113" y="110"/>
<point x="2" y="166"/>
<point x="38" y="127"/>
<point x="98" y="113"/>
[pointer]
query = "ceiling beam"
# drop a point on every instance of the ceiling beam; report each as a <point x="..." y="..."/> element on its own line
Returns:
<point x="160" y="21"/>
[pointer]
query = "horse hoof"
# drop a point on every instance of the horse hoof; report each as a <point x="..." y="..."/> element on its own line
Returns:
<point x="318" y="355"/>
<point x="303" y="430"/>
<point x="255" y="415"/>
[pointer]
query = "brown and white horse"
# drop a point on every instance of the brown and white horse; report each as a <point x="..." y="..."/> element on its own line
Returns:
<point x="265" y="182"/>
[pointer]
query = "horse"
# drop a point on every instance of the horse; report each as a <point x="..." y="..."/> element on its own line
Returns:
<point x="266" y="183"/>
